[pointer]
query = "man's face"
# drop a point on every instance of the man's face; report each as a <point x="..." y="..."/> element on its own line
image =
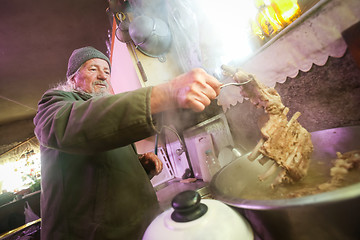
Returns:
<point x="94" y="77"/>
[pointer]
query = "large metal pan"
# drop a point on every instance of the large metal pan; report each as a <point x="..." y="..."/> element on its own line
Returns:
<point x="329" y="215"/>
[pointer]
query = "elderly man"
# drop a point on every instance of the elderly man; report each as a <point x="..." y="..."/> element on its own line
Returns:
<point x="93" y="184"/>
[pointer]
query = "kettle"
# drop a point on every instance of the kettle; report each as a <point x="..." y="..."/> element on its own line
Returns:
<point x="194" y="218"/>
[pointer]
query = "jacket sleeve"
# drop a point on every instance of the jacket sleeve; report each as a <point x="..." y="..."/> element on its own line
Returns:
<point x="71" y="123"/>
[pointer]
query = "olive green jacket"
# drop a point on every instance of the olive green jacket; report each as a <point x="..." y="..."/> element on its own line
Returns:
<point x="93" y="185"/>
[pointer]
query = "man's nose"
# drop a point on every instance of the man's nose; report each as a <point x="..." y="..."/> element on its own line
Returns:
<point x="102" y="75"/>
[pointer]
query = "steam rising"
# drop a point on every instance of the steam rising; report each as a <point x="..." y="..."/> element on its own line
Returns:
<point x="204" y="33"/>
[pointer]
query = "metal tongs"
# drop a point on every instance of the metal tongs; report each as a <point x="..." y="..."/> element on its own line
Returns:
<point x="234" y="84"/>
<point x="230" y="71"/>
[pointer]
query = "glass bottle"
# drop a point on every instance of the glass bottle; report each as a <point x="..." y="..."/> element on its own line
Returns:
<point x="286" y="11"/>
<point x="274" y="15"/>
<point x="212" y="163"/>
<point x="267" y="18"/>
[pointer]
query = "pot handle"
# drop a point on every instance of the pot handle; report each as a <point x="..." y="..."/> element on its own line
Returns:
<point x="187" y="206"/>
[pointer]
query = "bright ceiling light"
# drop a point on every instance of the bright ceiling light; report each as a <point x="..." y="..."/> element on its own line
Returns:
<point x="230" y="25"/>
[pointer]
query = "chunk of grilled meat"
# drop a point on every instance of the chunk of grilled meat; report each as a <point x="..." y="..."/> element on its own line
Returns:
<point x="285" y="142"/>
<point x="288" y="144"/>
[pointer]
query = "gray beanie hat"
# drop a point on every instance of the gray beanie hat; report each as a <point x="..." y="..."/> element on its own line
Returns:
<point x="81" y="55"/>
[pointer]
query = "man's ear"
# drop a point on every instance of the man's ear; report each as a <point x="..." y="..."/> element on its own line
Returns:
<point x="71" y="81"/>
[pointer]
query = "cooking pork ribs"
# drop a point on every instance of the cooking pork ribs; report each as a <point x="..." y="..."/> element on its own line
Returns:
<point x="284" y="141"/>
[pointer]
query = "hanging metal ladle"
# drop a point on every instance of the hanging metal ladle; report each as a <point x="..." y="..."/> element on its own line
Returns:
<point x="122" y="34"/>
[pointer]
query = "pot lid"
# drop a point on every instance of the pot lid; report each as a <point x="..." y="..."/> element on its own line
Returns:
<point x="213" y="220"/>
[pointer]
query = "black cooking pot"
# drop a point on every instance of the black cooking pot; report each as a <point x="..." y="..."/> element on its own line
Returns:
<point x="329" y="215"/>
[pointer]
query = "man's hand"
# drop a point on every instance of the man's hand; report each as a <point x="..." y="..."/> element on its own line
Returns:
<point x="151" y="163"/>
<point x="193" y="90"/>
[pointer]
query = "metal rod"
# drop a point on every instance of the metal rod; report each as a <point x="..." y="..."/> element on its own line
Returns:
<point x="235" y="84"/>
<point x="138" y="63"/>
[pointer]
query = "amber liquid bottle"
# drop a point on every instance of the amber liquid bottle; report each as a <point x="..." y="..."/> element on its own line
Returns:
<point x="274" y="15"/>
<point x="266" y="19"/>
<point x="287" y="11"/>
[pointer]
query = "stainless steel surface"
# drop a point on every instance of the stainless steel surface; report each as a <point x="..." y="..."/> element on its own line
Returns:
<point x="151" y="35"/>
<point x="204" y="192"/>
<point x="217" y="129"/>
<point x="329" y="215"/>
<point x="172" y="188"/>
